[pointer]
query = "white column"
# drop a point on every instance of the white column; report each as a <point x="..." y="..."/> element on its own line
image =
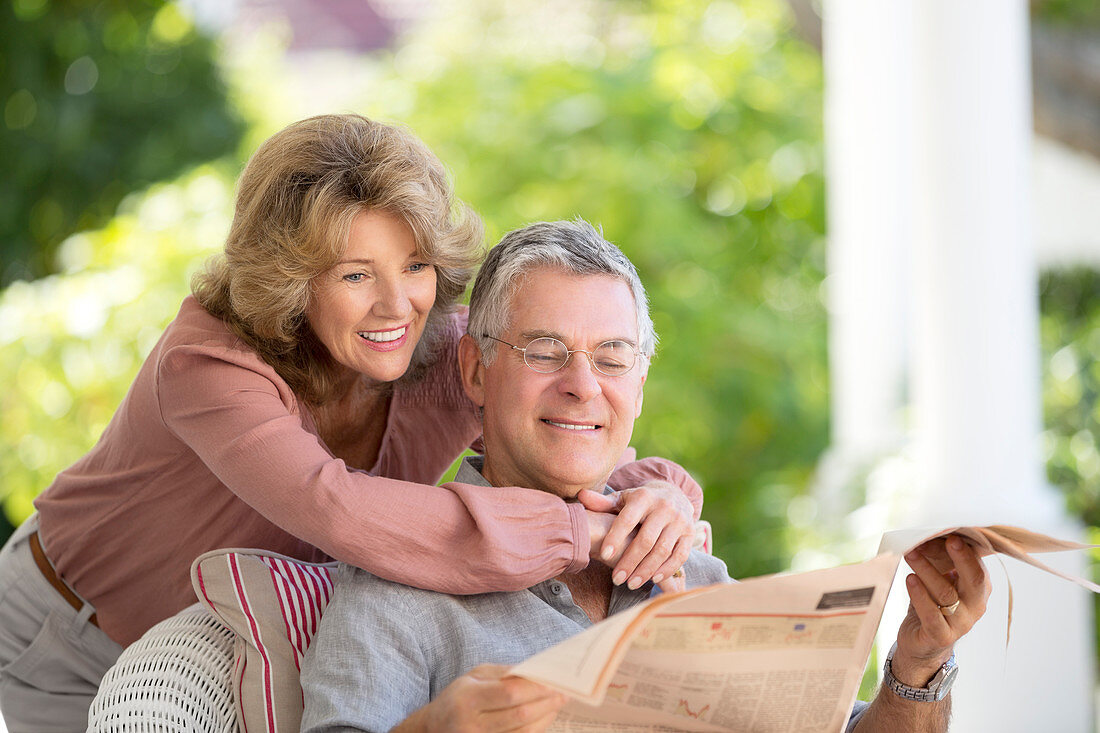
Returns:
<point x="976" y="353"/>
<point x="928" y="132"/>
<point x="868" y="121"/>
<point x="975" y="380"/>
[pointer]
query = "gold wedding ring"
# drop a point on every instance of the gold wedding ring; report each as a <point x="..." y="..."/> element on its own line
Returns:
<point x="950" y="610"/>
<point x="680" y="573"/>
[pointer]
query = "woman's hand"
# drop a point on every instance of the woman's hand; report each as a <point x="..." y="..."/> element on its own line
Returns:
<point x="945" y="570"/>
<point x="486" y="699"/>
<point x="645" y="533"/>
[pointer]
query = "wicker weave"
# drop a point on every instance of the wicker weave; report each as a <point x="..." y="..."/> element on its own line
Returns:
<point x="174" y="679"/>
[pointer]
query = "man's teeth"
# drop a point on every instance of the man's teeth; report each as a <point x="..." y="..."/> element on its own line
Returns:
<point x="383" y="336"/>
<point x="568" y="426"/>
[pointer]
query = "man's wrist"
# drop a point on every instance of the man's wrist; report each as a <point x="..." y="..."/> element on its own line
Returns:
<point x="931" y="687"/>
<point x="913" y="671"/>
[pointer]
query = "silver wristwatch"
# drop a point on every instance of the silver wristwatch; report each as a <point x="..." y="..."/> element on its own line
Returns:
<point x="936" y="690"/>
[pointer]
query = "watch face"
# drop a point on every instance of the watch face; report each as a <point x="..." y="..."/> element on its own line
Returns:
<point x="948" y="680"/>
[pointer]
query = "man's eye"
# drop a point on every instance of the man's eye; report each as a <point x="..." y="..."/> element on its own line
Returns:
<point x="542" y="358"/>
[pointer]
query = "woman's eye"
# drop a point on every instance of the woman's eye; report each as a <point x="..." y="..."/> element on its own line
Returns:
<point x="419" y="267"/>
<point x="354" y="277"/>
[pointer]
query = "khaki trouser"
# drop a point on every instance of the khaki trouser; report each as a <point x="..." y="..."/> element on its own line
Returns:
<point x="51" y="658"/>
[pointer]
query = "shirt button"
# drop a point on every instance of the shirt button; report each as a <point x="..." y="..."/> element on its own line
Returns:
<point x="556" y="588"/>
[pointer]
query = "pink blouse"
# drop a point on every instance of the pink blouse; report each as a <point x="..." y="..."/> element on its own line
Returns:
<point x="211" y="449"/>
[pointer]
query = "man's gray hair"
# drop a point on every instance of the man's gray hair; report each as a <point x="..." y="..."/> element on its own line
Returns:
<point x="569" y="246"/>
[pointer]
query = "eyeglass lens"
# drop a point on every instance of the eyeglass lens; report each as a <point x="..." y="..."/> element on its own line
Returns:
<point x="612" y="358"/>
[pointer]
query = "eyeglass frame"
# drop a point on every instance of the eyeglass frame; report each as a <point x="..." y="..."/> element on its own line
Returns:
<point x="569" y="354"/>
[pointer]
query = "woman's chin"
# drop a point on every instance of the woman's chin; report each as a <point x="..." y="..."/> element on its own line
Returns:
<point x="380" y="376"/>
<point x="386" y="363"/>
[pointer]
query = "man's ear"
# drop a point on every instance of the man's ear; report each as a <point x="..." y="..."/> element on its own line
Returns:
<point x="472" y="370"/>
<point x="641" y="395"/>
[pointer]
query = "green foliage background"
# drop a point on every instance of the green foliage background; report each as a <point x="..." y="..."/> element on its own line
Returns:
<point x="1078" y="13"/>
<point x="1070" y="330"/>
<point x="689" y="130"/>
<point x="71" y="343"/>
<point x="99" y="99"/>
<point x="1070" y="337"/>
<point x="695" y="142"/>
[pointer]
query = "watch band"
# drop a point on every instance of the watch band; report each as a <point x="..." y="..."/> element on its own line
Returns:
<point x="936" y="689"/>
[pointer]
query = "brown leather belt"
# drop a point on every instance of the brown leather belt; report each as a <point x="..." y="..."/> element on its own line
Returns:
<point x="48" y="572"/>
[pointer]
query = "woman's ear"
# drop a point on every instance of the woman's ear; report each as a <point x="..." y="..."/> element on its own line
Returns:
<point x="472" y="370"/>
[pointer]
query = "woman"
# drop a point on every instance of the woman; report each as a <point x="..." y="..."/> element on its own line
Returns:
<point x="304" y="400"/>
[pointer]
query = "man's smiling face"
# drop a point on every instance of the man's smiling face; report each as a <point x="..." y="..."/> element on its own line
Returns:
<point x="563" y="431"/>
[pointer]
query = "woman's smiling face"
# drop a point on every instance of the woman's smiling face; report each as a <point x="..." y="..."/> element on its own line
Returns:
<point x="370" y="309"/>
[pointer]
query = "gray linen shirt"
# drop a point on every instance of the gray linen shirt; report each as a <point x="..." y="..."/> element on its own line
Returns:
<point x="384" y="650"/>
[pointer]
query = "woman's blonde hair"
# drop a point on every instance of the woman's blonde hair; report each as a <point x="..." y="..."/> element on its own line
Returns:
<point x="296" y="200"/>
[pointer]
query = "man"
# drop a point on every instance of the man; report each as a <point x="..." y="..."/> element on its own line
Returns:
<point x="557" y="353"/>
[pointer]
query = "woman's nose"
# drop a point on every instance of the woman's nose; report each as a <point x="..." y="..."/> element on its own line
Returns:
<point x="393" y="301"/>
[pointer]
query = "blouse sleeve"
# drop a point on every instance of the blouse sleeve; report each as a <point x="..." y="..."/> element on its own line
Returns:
<point x="636" y="473"/>
<point x="454" y="538"/>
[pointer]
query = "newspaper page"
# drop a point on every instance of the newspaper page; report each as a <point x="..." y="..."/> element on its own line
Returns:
<point x="779" y="653"/>
<point x="1016" y="542"/>
<point x="776" y="654"/>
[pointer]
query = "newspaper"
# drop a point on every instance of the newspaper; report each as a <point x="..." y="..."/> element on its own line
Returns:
<point x="774" y="654"/>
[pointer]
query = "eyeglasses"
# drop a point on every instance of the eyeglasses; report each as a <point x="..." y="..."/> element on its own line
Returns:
<point x="546" y="355"/>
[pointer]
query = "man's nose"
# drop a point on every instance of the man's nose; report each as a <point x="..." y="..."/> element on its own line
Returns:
<point x="579" y="377"/>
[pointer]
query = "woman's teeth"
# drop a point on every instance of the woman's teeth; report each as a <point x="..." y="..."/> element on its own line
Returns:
<point x="383" y="336"/>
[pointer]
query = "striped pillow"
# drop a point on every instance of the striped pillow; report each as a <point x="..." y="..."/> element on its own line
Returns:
<point x="273" y="605"/>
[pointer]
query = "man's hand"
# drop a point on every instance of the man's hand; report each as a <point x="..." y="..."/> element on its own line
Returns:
<point x="486" y="699"/>
<point x="649" y="537"/>
<point x="945" y="570"/>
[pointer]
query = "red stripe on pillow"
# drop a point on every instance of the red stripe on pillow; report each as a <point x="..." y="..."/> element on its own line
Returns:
<point x="310" y="615"/>
<point x="242" y="663"/>
<point x="246" y="609"/>
<point x="293" y="606"/>
<point x="291" y="627"/>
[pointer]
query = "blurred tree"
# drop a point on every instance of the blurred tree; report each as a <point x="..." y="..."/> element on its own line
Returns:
<point x="691" y="131"/>
<point x="99" y="98"/>
<point x="1078" y="13"/>
<point x="1070" y="330"/>
<point x="71" y="343"/>
<point x="1070" y="337"/>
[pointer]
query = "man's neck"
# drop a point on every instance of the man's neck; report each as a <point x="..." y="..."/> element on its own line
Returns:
<point x="591" y="590"/>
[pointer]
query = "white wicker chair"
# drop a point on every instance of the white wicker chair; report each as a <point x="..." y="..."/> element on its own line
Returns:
<point x="174" y="679"/>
